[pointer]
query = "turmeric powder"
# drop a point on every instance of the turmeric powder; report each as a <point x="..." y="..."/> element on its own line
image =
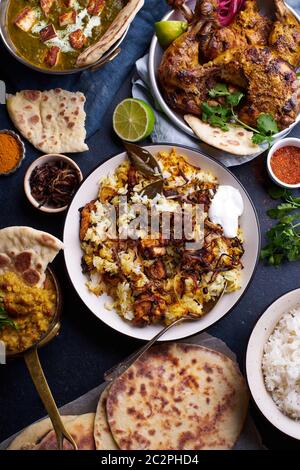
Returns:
<point x="10" y="152"/>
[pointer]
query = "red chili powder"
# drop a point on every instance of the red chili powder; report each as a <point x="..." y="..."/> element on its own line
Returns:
<point x="285" y="164"/>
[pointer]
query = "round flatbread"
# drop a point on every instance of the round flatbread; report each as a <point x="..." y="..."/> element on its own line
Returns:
<point x="178" y="397"/>
<point x="27" y="252"/>
<point x="41" y="436"/>
<point x="237" y="140"/>
<point x="102" y="434"/>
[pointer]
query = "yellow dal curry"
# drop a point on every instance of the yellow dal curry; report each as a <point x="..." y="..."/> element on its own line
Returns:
<point x="30" y="308"/>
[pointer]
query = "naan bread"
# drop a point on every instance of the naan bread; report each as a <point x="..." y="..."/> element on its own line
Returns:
<point x="102" y="434"/>
<point x="178" y="397"/>
<point x="52" y="121"/>
<point x="41" y="436"/>
<point x="112" y="35"/>
<point x="27" y="252"/>
<point x="237" y="140"/>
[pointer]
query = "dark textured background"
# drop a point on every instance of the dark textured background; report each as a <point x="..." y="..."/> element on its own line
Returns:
<point x="75" y="362"/>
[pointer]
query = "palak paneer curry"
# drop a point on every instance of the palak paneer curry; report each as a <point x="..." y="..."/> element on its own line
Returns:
<point x="51" y="34"/>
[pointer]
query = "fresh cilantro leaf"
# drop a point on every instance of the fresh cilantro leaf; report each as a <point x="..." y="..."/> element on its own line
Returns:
<point x="267" y="125"/>
<point x="5" y="320"/>
<point x="276" y="192"/>
<point x="261" y="139"/>
<point x="218" y="121"/>
<point x="219" y="90"/>
<point x="235" y="98"/>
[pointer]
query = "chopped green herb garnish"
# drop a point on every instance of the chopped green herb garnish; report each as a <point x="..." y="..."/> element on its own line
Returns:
<point x="284" y="237"/>
<point x="5" y="320"/>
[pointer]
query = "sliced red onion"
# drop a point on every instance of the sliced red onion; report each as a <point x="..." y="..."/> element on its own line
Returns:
<point x="228" y="9"/>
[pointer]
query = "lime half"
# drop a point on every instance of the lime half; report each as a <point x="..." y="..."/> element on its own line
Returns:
<point x="133" y="120"/>
<point x="168" y="31"/>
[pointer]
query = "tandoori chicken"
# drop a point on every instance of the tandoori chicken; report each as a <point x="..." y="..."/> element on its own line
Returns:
<point x="253" y="53"/>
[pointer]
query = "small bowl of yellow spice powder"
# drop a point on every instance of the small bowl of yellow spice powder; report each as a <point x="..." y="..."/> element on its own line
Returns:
<point x="12" y="152"/>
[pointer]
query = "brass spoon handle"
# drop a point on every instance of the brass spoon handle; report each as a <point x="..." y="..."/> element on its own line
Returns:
<point x="120" y="368"/>
<point x="35" y="369"/>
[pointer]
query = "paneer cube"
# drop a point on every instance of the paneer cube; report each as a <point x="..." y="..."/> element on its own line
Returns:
<point x="47" y="33"/>
<point x="95" y="7"/>
<point x="52" y="56"/>
<point x="25" y="19"/>
<point x="46" y="5"/>
<point x="77" y="39"/>
<point x="67" y="18"/>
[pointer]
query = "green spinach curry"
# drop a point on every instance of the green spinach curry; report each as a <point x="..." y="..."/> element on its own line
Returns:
<point x="52" y="33"/>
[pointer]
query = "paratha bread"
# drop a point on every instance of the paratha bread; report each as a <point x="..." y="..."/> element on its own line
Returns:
<point x="237" y="140"/>
<point x="27" y="252"/>
<point x="178" y="397"/>
<point x="52" y="121"/>
<point x="112" y="35"/>
<point x="102" y="434"/>
<point x="41" y="436"/>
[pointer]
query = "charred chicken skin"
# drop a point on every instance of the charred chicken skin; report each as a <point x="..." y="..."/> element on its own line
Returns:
<point x="253" y="53"/>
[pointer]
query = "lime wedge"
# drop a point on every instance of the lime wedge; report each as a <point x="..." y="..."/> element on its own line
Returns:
<point x="133" y="120"/>
<point x="168" y="31"/>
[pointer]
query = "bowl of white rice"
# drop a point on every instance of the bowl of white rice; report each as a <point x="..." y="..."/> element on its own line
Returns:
<point x="273" y="364"/>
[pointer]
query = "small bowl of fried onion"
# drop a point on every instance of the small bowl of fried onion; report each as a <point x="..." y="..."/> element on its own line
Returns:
<point x="51" y="181"/>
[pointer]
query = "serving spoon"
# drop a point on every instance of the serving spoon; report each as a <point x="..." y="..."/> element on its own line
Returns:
<point x="36" y="372"/>
<point x="113" y="373"/>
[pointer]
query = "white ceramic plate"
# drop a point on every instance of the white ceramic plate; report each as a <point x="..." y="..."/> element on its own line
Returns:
<point x="155" y="57"/>
<point x="260" y="335"/>
<point x="72" y="252"/>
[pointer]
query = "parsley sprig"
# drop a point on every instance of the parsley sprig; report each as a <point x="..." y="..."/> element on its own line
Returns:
<point x="5" y="320"/>
<point x="284" y="237"/>
<point x="222" y="114"/>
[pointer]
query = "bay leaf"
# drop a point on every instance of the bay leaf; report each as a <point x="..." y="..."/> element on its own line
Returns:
<point x="152" y="189"/>
<point x="143" y="160"/>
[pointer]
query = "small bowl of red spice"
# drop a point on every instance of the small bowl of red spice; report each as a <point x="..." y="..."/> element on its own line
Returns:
<point x="12" y="152"/>
<point x="284" y="163"/>
<point x="51" y="182"/>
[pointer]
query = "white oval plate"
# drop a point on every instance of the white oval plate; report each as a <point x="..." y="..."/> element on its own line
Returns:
<point x="72" y="252"/>
<point x="155" y="57"/>
<point x="259" y="336"/>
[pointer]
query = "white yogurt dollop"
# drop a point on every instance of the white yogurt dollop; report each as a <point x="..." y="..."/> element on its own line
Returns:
<point x="226" y="208"/>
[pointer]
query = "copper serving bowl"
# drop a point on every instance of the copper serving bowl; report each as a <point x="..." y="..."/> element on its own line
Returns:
<point x="33" y="364"/>
<point x="4" y="33"/>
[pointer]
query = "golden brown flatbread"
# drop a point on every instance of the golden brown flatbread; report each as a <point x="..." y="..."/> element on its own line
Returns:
<point x="53" y="121"/>
<point x="102" y="434"/>
<point x="41" y="436"/>
<point x="237" y="140"/>
<point x="112" y="35"/>
<point x="27" y="252"/>
<point x="178" y="397"/>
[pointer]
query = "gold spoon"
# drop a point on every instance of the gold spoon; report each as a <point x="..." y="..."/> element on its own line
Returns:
<point x="36" y="372"/>
<point x="113" y="373"/>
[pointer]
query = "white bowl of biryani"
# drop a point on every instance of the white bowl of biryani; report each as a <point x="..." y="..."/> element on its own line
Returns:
<point x="126" y="272"/>
<point x="273" y="364"/>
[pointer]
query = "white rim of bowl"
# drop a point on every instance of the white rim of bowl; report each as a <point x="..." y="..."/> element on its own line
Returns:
<point x="287" y="142"/>
<point x="262" y="398"/>
<point x="40" y="161"/>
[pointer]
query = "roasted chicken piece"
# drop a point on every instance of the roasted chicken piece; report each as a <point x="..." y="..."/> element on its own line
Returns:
<point x="242" y="57"/>
<point x="285" y="35"/>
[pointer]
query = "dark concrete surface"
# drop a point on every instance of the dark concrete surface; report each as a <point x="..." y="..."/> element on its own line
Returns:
<point x="75" y="361"/>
